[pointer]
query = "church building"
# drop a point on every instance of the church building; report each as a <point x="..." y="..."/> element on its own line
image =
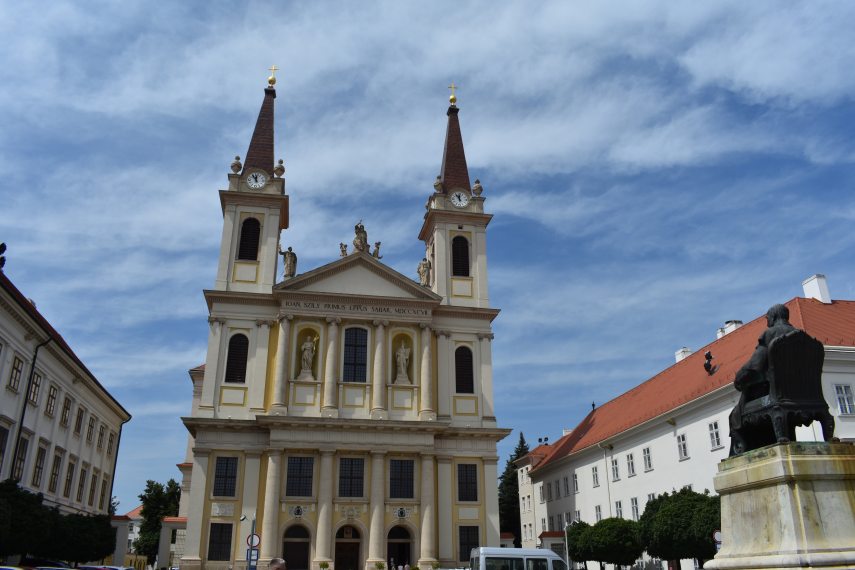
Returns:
<point x="345" y="413"/>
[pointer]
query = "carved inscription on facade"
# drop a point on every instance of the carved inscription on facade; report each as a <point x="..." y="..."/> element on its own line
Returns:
<point x="356" y="309"/>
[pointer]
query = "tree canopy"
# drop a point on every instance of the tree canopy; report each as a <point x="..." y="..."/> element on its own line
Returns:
<point x="509" y="493"/>
<point x="158" y="501"/>
<point x="614" y="541"/>
<point x="681" y="525"/>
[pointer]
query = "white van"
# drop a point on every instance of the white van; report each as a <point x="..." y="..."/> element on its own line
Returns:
<point x="491" y="558"/>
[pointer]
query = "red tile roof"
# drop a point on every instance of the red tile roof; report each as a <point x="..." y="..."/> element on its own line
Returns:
<point x="551" y="534"/>
<point x="175" y="519"/>
<point x="832" y="323"/>
<point x="135" y="514"/>
<point x="506" y="535"/>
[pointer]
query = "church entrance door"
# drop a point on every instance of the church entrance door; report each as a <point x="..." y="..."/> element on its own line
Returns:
<point x="295" y="548"/>
<point x="347" y="549"/>
<point x="398" y="547"/>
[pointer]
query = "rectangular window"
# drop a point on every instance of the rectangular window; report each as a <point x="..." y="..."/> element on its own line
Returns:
<point x="559" y="518"/>
<point x="715" y="438"/>
<point x="549" y="491"/>
<point x="65" y="415"/>
<point x="577" y="516"/>
<point x="4" y="439"/>
<point x="619" y="509"/>
<point x="634" y="504"/>
<point x="682" y="447"/>
<point x="103" y="496"/>
<point x="355" y="355"/>
<point x="78" y="422"/>
<point x="101" y="429"/>
<point x="543" y="524"/>
<point x="595" y="476"/>
<point x="20" y="459"/>
<point x="401" y="479"/>
<point x="630" y="465"/>
<point x="541" y="492"/>
<point x="615" y="469"/>
<point x="598" y="513"/>
<point x="467" y="482"/>
<point x="566" y="486"/>
<point x="575" y="483"/>
<point x="648" y="459"/>
<point x="220" y="542"/>
<point x="551" y="523"/>
<point x="15" y="374"/>
<point x="69" y="480"/>
<point x="81" y="483"/>
<point x="39" y="467"/>
<point x="350" y="476"/>
<point x="90" y="432"/>
<point x="50" y="406"/>
<point x="557" y="490"/>
<point x="35" y="389"/>
<point x="110" y="441"/>
<point x="225" y="476"/>
<point x="53" y="482"/>
<point x="92" y="486"/>
<point x="845" y="403"/>
<point x="469" y="539"/>
<point x="300" y="476"/>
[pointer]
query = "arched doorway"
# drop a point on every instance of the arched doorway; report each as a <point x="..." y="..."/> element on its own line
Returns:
<point x="346" y="549"/>
<point x="295" y="547"/>
<point x="399" y="547"/>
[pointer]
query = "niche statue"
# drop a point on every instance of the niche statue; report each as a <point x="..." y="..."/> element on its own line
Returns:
<point x="402" y="359"/>
<point x="307" y="349"/>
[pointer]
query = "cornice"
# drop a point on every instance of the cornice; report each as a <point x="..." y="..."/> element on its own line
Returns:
<point x="433" y="217"/>
<point x="466" y="312"/>
<point x="237" y="198"/>
<point x="238" y="298"/>
<point x="350" y="424"/>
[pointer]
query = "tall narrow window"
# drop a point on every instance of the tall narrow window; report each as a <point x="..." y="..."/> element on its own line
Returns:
<point x="81" y="483"/>
<point x="682" y="447"/>
<point x="549" y="491"/>
<point x="78" y="423"/>
<point x="18" y="464"/>
<point x="92" y="485"/>
<point x="715" y="437"/>
<point x="463" y="373"/>
<point x="575" y="483"/>
<point x="355" y="355"/>
<point x="648" y="459"/>
<point x="595" y="476"/>
<point x="845" y="403"/>
<point x="53" y="482"/>
<point x="401" y="479"/>
<point x="90" y="431"/>
<point x="65" y="414"/>
<point x="619" y="509"/>
<point x="468" y="539"/>
<point x="300" y="475"/>
<point x="460" y="257"/>
<point x="15" y="374"/>
<point x="4" y="439"/>
<point x="220" y="542"/>
<point x="236" y="360"/>
<point x="350" y="476"/>
<point x="467" y="482"/>
<point x="103" y="496"/>
<point x="39" y="467"/>
<point x="630" y="465"/>
<point x="615" y="469"/>
<point x="250" y="231"/>
<point x="69" y="479"/>
<point x="50" y="406"/>
<point x="225" y="476"/>
<point x="566" y="486"/>
<point x="634" y="503"/>
<point x="35" y="389"/>
<point x="598" y="513"/>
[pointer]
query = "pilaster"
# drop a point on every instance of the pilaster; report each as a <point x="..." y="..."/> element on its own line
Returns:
<point x="444" y="507"/>
<point x="330" y="407"/>
<point x="444" y="377"/>
<point x="426" y="411"/>
<point x="485" y="346"/>
<point x="377" y="503"/>
<point x="270" y="523"/>
<point x="198" y="490"/>
<point x="378" y="390"/>
<point x="325" y="508"/>
<point x="427" y="556"/>
<point x="280" y="387"/>
<point x="491" y="501"/>
<point x="209" y="385"/>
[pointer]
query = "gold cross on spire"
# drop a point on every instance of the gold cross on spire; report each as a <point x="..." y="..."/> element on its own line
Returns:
<point x="453" y="98"/>
<point x="272" y="79"/>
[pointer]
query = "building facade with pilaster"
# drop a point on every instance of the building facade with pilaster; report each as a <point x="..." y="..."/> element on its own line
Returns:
<point x="346" y="412"/>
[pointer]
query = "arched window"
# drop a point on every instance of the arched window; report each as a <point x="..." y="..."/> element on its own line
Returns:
<point x="236" y="360"/>
<point x="463" y="373"/>
<point x="355" y="354"/>
<point x="250" y="231"/>
<point x="460" y="257"/>
<point x="297" y="531"/>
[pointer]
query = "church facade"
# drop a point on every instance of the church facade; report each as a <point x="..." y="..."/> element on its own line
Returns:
<point x="345" y="413"/>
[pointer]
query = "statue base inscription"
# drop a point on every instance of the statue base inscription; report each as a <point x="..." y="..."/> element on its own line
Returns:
<point x="788" y="505"/>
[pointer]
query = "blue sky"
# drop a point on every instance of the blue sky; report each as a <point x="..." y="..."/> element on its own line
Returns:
<point x="654" y="169"/>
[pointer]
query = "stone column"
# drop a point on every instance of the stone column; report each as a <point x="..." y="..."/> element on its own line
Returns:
<point x="377" y="506"/>
<point x="270" y="522"/>
<point x="491" y="501"/>
<point x="280" y="378"/>
<point x="325" y="507"/>
<point x="428" y="539"/>
<point x="378" y="400"/>
<point x="426" y="407"/>
<point x="485" y="345"/>
<point x="444" y="504"/>
<point x="198" y="496"/>
<point x="257" y="372"/>
<point x="445" y="362"/>
<point x="330" y="408"/>
<point x="163" y="544"/>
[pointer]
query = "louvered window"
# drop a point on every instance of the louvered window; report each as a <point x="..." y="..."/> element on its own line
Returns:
<point x="250" y="231"/>
<point x="463" y="374"/>
<point x="355" y="354"/>
<point x="236" y="362"/>
<point x="460" y="257"/>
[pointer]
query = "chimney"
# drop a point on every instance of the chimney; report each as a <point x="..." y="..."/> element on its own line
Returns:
<point x="682" y="353"/>
<point x="729" y="327"/>
<point x="816" y="287"/>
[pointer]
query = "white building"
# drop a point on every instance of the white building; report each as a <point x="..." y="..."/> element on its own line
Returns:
<point x="345" y="411"/>
<point x="671" y="431"/>
<point x="59" y="427"/>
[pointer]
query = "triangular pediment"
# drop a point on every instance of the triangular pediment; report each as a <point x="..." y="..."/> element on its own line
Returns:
<point x="358" y="274"/>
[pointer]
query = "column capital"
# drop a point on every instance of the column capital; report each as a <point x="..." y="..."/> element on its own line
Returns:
<point x="444" y="333"/>
<point x="427" y="455"/>
<point x="284" y="317"/>
<point x="253" y="452"/>
<point x="265" y="323"/>
<point x="494" y="459"/>
<point x="380" y="452"/>
<point x="216" y="320"/>
<point x="487" y="336"/>
<point x="379" y="323"/>
<point x="444" y="458"/>
<point x="275" y="452"/>
<point x="201" y="452"/>
<point x="334" y="321"/>
<point x="327" y="451"/>
<point x="424" y="326"/>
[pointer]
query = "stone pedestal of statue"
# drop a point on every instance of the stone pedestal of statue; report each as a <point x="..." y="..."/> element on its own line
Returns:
<point x="788" y="505"/>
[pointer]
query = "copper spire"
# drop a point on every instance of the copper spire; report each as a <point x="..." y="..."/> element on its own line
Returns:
<point x="454" y="172"/>
<point x="260" y="153"/>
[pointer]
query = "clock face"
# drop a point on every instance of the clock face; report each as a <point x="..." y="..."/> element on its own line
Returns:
<point x="256" y="180"/>
<point x="459" y="199"/>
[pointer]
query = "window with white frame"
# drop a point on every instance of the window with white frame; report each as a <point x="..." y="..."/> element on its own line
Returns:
<point x="542" y="524"/>
<point x="595" y="476"/>
<point x="615" y="469"/>
<point x="549" y="491"/>
<point x="575" y="483"/>
<point x="50" y="406"/>
<point x="541" y="492"/>
<point x="557" y="490"/>
<point x="715" y="437"/>
<point x="682" y="447"/>
<point x="630" y="465"/>
<point x="845" y="404"/>
<point x="648" y="459"/>
<point x="598" y="513"/>
<point x="35" y="389"/>
<point x="551" y="522"/>
<point x="566" y="485"/>
<point x="15" y="374"/>
<point x="65" y="414"/>
<point x="650" y="496"/>
<point x="619" y="509"/>
<point x="577" y="516"/>
<point x="633" y="502"/>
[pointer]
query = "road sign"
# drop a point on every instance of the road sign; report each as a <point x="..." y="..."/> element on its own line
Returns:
<point x="252" y="554"/>
<point x="253" y="540"/>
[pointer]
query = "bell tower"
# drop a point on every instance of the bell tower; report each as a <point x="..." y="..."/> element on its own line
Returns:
<point x="455" y="226"/>
<point x="255" y="210"/>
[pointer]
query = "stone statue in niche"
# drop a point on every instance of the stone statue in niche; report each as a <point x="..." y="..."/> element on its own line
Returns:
<point x="308" y="348"/>
<point x="424" y="272"/>
<point x="402" y="359"/>
<point x="289" y="261"/>
<point x="360" y="241"/>
<point x="780" y="387"/>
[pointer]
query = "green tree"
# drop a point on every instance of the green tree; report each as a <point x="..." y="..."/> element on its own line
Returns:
<point x="158" y="501"/>
<point x="681" y="525"/>
<point x="509" y="493"/>
<point x="23" y="521"/>
<point x="578" y="542"/>
<point x="614" y="541"/>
